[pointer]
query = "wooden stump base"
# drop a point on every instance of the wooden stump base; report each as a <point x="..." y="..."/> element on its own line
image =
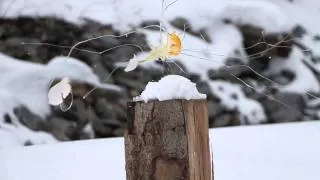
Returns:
<point x="168" y="140"/>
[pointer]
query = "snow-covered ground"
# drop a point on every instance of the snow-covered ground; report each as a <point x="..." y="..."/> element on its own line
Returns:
<point x="264" y="152"/>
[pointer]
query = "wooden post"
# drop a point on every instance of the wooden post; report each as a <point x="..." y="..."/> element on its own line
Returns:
<point x="168" y="140"/>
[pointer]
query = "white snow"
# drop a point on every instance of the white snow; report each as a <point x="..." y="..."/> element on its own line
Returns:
<point x="233" y="98"/>
<point x="262" y="14"/>
<point x="311" y="44"/>
<point x="303" y="12"/>
<point x="170" y="87"/>
<point x="124" y="14"/>
<point x="17" y="135"/>
<point x="264" y="152"/>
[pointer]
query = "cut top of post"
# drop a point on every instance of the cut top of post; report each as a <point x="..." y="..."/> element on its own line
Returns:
<point x="170" y="87"/>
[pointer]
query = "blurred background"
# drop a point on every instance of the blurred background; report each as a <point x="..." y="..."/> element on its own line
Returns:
<point x="257" y="61"/>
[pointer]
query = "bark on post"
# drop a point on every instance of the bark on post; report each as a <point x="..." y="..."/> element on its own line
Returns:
<point x="168" y="140"/>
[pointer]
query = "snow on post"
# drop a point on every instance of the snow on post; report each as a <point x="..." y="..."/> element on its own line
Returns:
<point x="170" y="87"/>
<point x="167" y="135"/>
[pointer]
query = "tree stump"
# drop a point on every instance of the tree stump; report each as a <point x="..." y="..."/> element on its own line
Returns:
<point x="168" y="140"/>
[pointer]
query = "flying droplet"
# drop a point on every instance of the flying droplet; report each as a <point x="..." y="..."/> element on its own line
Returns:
<point x="133" y="63"/>
<point x="60" y="93"/>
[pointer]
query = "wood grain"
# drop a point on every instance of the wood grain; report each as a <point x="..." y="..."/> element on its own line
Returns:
<point x="167" y="140"/>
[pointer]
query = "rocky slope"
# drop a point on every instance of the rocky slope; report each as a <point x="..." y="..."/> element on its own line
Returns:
<point x="103" y="113"/>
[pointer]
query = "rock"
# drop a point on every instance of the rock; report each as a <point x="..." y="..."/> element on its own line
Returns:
<point x="284" y="77"/>
<point x="91" y="25"/>
<point x="7" y="118"/>
<point x="120" y="111"/>
<point x="253" y="94"/>
<point x="81" y="132"/>
<point x="102" y="45"/>
<point x="77" y="110"/>
<point x="194" y="77"/>
<point x="15" y="47"/>
<point x="173" y="67"/>
<point x="204" y="88"/>
<point x="77" y="121"/>
<point x="113" y="123"/>
<point x="298" y="31"/>
<point x="316" y="38"/>
<point x="95" y="29"/>
<point x="87" y="131"/>
<point x="231" y="61"/>
<point x="153" y="71"/>
<point x="214" y="109"/>
<point x="59" y="127"/>
<point x="118" y="132"/>
<point x="151" y="25"/>
<point x="29" y="119"/>
<point x="225" y="119"/>
<point x="204" y="35"/>
<point x="229" y="73"/>
<point x="101" y="129"/>
<point x="286" y="107"/>
<point x="81" y="89"/>
<point x="27" y="143"/>
<point x="253" y="37"/>
<point x="259" y="64"/>
<point x="138" y="39"/>
<point x="81" y="111"/>
<point x="129" y="83"/>
<point x="99" y="69"/>
<point x="104" y="109"/>
<point x="184" y="25"/>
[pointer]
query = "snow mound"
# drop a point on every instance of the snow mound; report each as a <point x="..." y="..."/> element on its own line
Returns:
<point x="233" y="98"/>
<point x="72" y="68"/>
<point x="265" y="15"/>
<point x="27" y="84"/>
<point x="304" y="81"/>
<point x="31" y="82"/>
<point x="170" y="87"/>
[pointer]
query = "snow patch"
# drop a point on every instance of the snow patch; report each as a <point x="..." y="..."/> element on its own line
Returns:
<point x="263" y="14"/>
<point x="233" y="98"/>
<point x="170" y="87"/>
